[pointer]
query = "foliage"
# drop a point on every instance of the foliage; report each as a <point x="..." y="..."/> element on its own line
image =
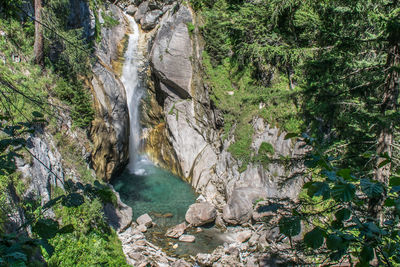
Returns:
<point x="343" y="227"/>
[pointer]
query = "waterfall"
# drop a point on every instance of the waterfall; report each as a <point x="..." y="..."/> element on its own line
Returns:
<point x="134" y="92"/>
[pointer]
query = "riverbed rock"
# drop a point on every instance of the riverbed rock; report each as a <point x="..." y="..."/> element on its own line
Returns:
<point x="176" y="231"/>
<point x="171" y="52"/>
<point x="200" y="213"/>
<point x="240" y="205"/>
<point x="187" y="238"/>
<point x="142" y="228"/>
<point x="243" y="236"/>
<point x="145" y="220"/>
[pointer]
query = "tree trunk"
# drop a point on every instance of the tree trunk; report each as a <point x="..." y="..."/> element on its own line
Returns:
<point x="38" y="46"/>
<point x="389" y="103"/>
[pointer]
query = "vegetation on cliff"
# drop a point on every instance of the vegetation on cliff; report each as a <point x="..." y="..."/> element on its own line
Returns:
<point x="36" y="97"/>
<point x="335" y="66"/>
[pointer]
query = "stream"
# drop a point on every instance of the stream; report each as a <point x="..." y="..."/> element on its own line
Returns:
<point x="148" y="188"/>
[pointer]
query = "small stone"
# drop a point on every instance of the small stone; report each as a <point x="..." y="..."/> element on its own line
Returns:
<point x="187" y="238"/>
<point x="168" y="215"/>
<point x="145" y="219"/>
<point x="140" y="243"/>
<point x="201" y="199"/>
<point x="254" y="239"/>
<point x="142" y="228"/>
<point x="176" y="231"/>
<point x="199" y="230"/>
<point x="175" y="246"/>
<point x="243" y="236"/>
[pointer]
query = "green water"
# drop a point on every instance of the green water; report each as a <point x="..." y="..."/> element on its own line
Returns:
<point x="166" y="198"/>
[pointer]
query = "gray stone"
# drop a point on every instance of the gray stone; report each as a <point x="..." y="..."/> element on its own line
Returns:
<point x="176" y="231"/>
<point x="142" y="228"/>
<point x="145" y="219"/>
<point x="240" y="205"/>
<point x="200" y="213"/>
<point x="187" y="238"/>
<point x="119" y="217"/>
<point x="141" y="11"/>
<point x="243" y="236"/>
<point x="172" y="51"/>
<point x="131" y="10"/>
<point x="150" y="20"/>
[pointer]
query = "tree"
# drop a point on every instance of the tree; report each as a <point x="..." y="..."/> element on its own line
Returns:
<point x="38" y="45"/>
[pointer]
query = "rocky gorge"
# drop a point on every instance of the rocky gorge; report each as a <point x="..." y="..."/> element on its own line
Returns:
<point x="181" y="133"/>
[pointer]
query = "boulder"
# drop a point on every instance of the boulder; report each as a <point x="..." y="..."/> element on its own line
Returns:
<point x="131" y="10"/>
<point x="200" y="213"/>
<point x="119" y="216"/>
<point x="176" y="231"/>
<point x="145" y="220"/>
<point x="141" y="11"/>
<point x="142" y="228"/>
<point x="187" y="238"/>
<point x="240" y="205"/>
<point x="172" y="51"/>
<point x="150" y="20"/>
<point x="243" y="236"/>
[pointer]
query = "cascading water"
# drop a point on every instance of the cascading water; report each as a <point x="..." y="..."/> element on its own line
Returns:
<point x="145" y="187"/>
<point x="134" y="92"/>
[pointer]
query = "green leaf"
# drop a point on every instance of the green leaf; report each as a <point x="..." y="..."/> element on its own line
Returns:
<point x="389" y="202"/>
<point x="345" y="174"/>
<point x="343" y="215"/>
<point x="383" y="163"/>
<point x="334" y="242"/>
<point x="371" y="189"/>
<point x="367" y="254"/>
<point x="319" y="189"/>
<point x="290" y="226"/>
<point x="46" y="228"/>
<point x="315" y="238"/>
<point x="46" y="245"/>
<point x="343" y="192"/>
<point x="394" y="181"/>
<point x="290" y="135"/>
<point x="73" y="200"/>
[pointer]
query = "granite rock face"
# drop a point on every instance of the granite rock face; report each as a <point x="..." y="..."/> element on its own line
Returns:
<point x="171" y="52"/>
<point x="110" y="128"/>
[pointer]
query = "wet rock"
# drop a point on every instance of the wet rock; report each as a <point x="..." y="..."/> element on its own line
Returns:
<point x="219" y="222"/>
<point x="187" y="238"/>
<point x="176" y="231"/>
<point x="200" y="213"/>
<point x="243" y="236"/>
<point x="145" y="220"/>
<point x="150" y="20"/>
<point x="254" y="239"/>
<point x="240" y="205"/>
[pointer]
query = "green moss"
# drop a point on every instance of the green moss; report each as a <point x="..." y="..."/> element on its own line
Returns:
<point x="109" y="21"/>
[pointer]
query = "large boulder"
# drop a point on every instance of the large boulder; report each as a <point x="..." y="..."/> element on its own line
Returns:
<point x="150" y="20"/>
<point x="119" y="216"/>
<point x="240" y="205"/>
<point x="172" y="51"/>
<point x="145" y="220"/>
<point x="200" y="213"/>
<point x="141" y="11"/>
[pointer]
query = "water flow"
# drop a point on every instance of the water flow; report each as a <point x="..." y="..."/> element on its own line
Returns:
<point x="134" y="92"/>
